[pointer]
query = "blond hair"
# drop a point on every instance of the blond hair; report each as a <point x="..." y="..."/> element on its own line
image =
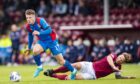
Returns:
<point x="30" y="12"/>
<point x="127" y="56"/>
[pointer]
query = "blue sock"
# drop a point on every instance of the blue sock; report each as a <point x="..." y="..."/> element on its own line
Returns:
<point x="69" y="66"/>
<point x="37" y="60"/>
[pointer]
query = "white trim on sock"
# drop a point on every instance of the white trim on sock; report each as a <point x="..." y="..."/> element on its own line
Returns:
<point x="40" y="66"/>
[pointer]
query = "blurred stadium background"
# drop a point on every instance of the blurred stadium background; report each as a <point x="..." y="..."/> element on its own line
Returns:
<point x="87" y="30"/>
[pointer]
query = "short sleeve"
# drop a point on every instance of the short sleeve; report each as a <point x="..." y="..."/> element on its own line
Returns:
<point x="114" y="56"/>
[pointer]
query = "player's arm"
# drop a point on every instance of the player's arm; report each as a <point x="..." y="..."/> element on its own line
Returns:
<point x="30" y="41"/>
<point x="111" y="62"/>
<point x="119" y="76"/>
<point x="47" y="29"/>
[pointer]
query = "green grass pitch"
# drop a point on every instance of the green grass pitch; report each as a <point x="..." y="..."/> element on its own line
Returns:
<point x="26" y="71"/>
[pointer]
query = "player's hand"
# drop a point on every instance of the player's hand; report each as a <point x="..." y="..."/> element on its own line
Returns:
<point x="116" y="69"/>
<point x="36" y="32"/>
<point x="124" y="77"/>
<point x="131" y="77"/>
<point x="27" y="52"/>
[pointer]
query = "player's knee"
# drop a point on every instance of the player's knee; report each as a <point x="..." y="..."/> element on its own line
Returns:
<point x="36" y="51"/>
<point x="77" y="66"/>
<point x="74" y="65"/>
<point x="60" y="59"/>
<point x="61" y="62"/>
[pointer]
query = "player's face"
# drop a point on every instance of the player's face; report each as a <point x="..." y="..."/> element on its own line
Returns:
<point x="30" y="19"/>
<point x="120" y="59"/>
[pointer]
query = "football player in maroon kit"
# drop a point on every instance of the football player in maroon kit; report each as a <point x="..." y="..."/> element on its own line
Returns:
<point x="94" y="70"/>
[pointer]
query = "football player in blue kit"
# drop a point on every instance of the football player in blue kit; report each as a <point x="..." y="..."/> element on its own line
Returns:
<point x="37" y="26"/>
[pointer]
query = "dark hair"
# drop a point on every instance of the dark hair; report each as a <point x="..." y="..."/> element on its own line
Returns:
<point x="30" y="12"/>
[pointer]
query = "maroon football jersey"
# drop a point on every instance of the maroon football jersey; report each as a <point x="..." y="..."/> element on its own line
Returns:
<point x="102" y="67"/>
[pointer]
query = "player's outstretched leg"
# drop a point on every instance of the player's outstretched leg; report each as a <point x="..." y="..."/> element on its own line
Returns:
<point x="61" y="60"/>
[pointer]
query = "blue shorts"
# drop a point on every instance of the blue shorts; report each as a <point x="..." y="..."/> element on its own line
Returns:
<point x="52" y="45"/>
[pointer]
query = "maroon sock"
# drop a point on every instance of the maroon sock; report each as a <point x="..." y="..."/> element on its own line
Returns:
<point x="60" y="77"/>
<point x="60" y="69"/>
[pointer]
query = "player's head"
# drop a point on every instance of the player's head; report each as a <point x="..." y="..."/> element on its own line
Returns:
<point x="124" y="57"/>
<point x="30" y="16"/>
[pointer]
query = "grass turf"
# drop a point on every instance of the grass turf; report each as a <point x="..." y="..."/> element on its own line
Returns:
<point x="26" y="71"/>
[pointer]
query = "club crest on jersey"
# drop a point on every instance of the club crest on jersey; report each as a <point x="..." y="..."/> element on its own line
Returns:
<point x="38" y="25"/>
